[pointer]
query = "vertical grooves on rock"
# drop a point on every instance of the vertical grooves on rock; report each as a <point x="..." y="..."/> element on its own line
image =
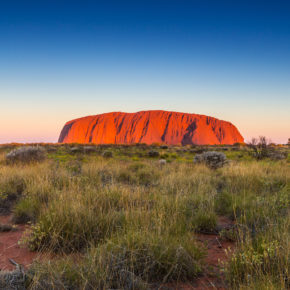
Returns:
<point x="166" y="128"/>
<point x="92" y="131"/>
<point x="150" y="127"/>
<point x="145" y="129"/>
<point x="120" y="126"/>
<point x="88" y="128"/>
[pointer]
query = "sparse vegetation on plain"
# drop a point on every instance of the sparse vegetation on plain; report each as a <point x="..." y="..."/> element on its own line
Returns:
<point x="126" y="220"/>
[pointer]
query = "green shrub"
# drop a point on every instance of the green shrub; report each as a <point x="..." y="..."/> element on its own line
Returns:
<point x="164" y="147"/>
<point x="107" y="154"/>
<point x="11" y="188"/>
<point x="74" y="167"/>
<point x="204" y="221"/>
<point x="126" y="176"/>
<point x="164" y="156"/>
<point x="26" y="210"/>
<point x="230" y="234"/>
<point x="173" y="156"/>
<point x="138" y="174"/>
<point x="251" y="261"/>
<point x="147" y="176"/>
<point x="136" y="166"/>
<point x="106" y="176"/>
<point x="153" y="153"/>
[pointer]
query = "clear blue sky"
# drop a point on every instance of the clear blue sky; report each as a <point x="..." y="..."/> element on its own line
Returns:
<point x="65" y="59"/>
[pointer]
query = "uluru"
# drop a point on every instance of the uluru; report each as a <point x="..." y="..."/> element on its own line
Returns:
<point x="164" y="127"/>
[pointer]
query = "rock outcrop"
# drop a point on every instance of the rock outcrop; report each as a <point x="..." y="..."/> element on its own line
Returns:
<point x="149" y="127"/>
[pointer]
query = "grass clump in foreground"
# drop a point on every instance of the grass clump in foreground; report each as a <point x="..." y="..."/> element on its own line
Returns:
<point x="120" y="223"/>
<point x="129" y="261"/>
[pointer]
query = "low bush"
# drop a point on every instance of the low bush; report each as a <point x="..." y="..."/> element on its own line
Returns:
<point x="126" y="176"/>
<point x="147" y="176"/>
<point x="211" y="159"/>
<point x="153" y="153"/>
<point x="164" y="147"/>
<point x="136" y="166"/>
<point x="107" y="154"/>
<point x="261" y="148"/>
<point x="26" y="155"/>
<point x="11" y="189"/>
<point x="26" y="210"/>
<point x="278" y="155"/>
<point x="138" y="174"/>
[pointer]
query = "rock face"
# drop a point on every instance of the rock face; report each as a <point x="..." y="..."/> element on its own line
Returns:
<point x="149" y="127"/>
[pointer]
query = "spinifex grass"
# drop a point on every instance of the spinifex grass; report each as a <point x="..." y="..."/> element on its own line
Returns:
<point x="136" y="221"/>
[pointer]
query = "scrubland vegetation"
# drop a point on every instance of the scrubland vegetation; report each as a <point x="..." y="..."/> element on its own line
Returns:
<point x="115" y="217"/>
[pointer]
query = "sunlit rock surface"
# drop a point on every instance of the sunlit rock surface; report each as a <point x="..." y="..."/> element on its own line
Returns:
<point x="149" y="127"/>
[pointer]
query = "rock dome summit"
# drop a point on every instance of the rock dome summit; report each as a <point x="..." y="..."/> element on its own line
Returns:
<point x="171" y="128"/>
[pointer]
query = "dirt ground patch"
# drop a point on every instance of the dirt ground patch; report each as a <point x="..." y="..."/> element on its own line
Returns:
<point x="10" y="249"/>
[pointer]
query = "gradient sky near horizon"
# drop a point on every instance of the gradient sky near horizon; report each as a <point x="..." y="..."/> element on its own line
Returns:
<point x="60" y="60"/>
